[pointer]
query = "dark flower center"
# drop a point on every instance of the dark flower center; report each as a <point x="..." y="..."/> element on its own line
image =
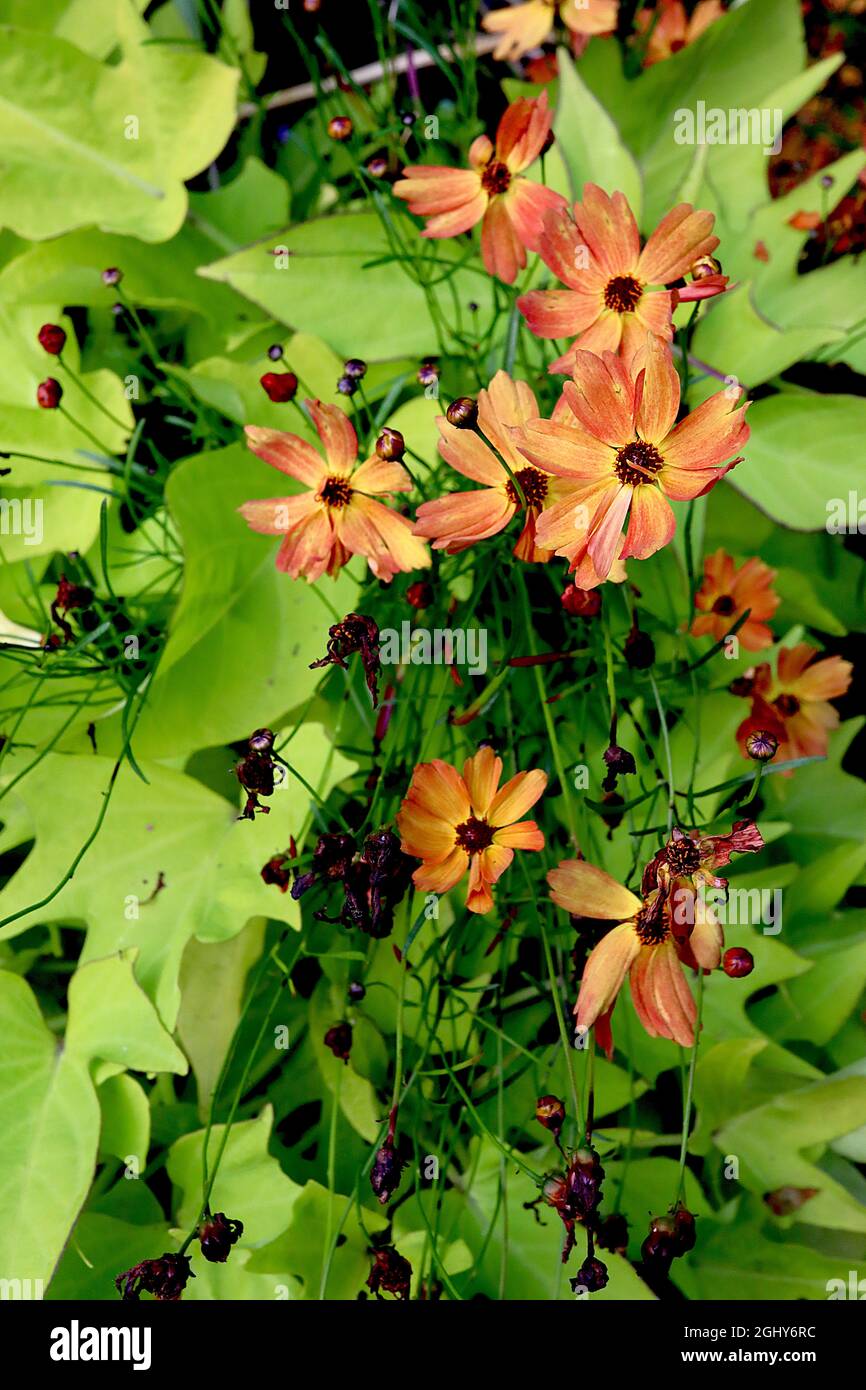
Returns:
<point x="787" y="705"/>
<point x="533" y="485"/>
<point x="496" y="178"/>
<point x="622" y="293"/>
<point x="683" y="856"/>
<point x="637" y="462"/>
<point x="335" y="492"/>
<point x="474" y="835"/>
<point x="724" y="606"/>
<point x="650" y="925"/>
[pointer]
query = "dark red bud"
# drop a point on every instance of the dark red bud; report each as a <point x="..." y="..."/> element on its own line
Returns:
<point x="462" y="413"/>
<point x="280" y="387"/>
<point x="390" y="445"/>
<point x="581" y="603"/>
<point x="340" y="127"/>
<point x="550" y="1112"/>
<point x="48" y="393"/>
<point x="738" y="962"/>
<point x="420" y="594"/>
<point x="52" y="338"/>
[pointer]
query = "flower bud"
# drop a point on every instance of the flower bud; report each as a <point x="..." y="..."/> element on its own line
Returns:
<point x="347" y="385"/>
<point x="261" y="740"/>
<point x="112" y="276"/>
<point x="420" y="594"/>
<point x="550" y="1112"/>
<point x="428" y="372"/>
<point x="275" y="351"/>
<point x="661" y="1245"/>
<point x="279" y="387"/>
<point x="738" y="962"/>
<point x="640" y="652"/>
<point x="356" y="991"/>
<point x="340" y="127"/>
<point x="377" y="167"/>
<point x="355" y="367"/>
<point x="339" y="1040"/>
<point x="581" y="603"/>
<point x="52" y="338"/>
<point x="49" y="393"/>
<point x="584" y="1179"/>
<point x="390" y="445"/>
<point x="385" y="1173"/>
<point x="462" y="413"/>
<point x="762" y="746"/>
<point x="704" y="266"/>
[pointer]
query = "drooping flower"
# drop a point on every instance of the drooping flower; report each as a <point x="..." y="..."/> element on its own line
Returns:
<point x="492" y="191"/>
<point x="641" y="946"/>
<point x="530" y="24"/>
<point x="672" y="29"/>
<point x="627" y="459"/>
<point x="217" y="1234"/>
<point x="793" y="704"/>
<point x="456" y="824"/>
<point x="608" y="305"/>
<point x="340" y="514"/>
<point x="726" y="593"/>
<point x="165" y="1279"/>
<point x="458" y="520"/>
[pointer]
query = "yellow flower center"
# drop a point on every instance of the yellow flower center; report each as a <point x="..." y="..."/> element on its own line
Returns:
<point x="637" y="462"/>
<point x="622" y="293"/>
<point x="335" y="492"/>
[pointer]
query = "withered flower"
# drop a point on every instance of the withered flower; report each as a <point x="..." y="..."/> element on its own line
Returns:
<point x="391" y="1273"/>
<point x="165" y="1278"/>
<point x="217" y="1235"/>
<point x="355" y="633"/>
<point x="339" y="1039"/>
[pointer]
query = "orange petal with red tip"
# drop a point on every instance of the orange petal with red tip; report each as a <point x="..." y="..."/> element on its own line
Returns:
<point x="602" y="397"/>
<point x="431" y="188"/>
<point x="289" y="453"/>
<point x="528" y="203"/>
<point x="462" y="518"/>
<point x="651" y="525"/>
<point x="608" y="227"/>
<point x="337" y="435"/>
<point x="708" y="436"/>
<point x="501" y="248"/>
<point x="660" y="397"/>
<point x="680" y="239"/>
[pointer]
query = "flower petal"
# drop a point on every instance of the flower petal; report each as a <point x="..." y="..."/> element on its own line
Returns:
<point x="338" y="437"/>
<point x="289" y="453"/>
<point x="481" y="773"/>
<point x="660" y="398"/>
<point x="501" y="248"/>
<point x="602" y="397"/>
<point x="524" y="835"/>
<point x="438" y="878"/>
<point x="603" y="975"/>
<point x="651" y="525"/>
<point x="609" y="230"/>
<point x="586" y="891"/>
<point x="680" y="239"/>
<point x="514" y="799"/>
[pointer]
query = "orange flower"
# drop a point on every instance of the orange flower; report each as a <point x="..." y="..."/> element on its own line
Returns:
<point x="510" y="208"/>
<point x="529" y="25"/>
<point x="672" y="29"/>
<point x="456" y="823"/>
<point x="727" y="592"/>
<point x="338" y="516"/>
<point x="460" y="519"/>
<point x="598" y="256"/>
<point x="793" y="704"/>
<point x="642" y="946"/>
<point x="626" y="457"/>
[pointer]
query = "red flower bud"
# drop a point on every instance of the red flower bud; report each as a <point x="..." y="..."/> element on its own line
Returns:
<point x="340" y="127"/>
<point x="420" y="594"/>
<point x="550" y="1112"/>
<point x="738" y="962"/>
<point x="581" y="603"/>
<point x="462" y="413"/>
<point x="390" y="446"/>
<point x="280" y="387"/>
<point x="48" y="393"/>
<point x="52" y="338"/>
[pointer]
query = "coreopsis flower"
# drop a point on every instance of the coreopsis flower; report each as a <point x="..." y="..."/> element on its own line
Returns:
<point x="608" y="304"/>
<point x="456" y="824"/>
<point x="726" y="593"/>
<point x="672" y="29"/>
<point x="641" y="946"/>
<point x="530" y="24"/>
<point x="458" y="520"/>
<point x="793" y="703"/>
<point x="491" y="191"/>
<point x="685" y="868"/>
<point x="339" y="514"/>
<point x="627" y="459"/>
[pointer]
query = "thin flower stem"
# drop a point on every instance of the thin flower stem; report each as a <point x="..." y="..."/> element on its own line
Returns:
<point x="690" y="1088"/>
<point x="667" y="746"/>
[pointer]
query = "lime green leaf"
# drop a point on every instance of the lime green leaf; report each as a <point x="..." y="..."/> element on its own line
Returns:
<point x="334" y="288"/>
<point x="589" y="141"/>
<point x="250" y="1185"/>
<point x="212" y="981"/>
<point x="125" y="1131"/>
<point x="85" y="143"/>
<point x="302" y="1247"/>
